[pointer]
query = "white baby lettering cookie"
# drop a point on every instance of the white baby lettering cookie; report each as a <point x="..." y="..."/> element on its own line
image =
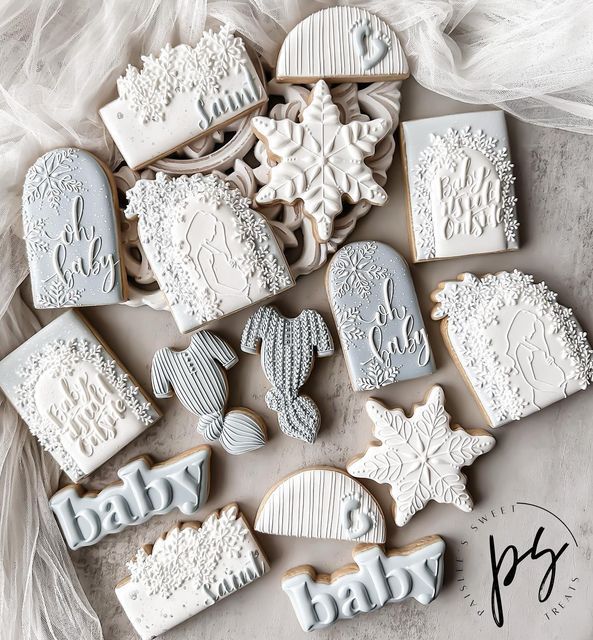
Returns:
<point x="196" y="376"/>
<point x="320" y="161"/>
<point x="341" y="44"/>
<point x="146" y="489"/>
<point x="189" y="569"/>
<point x="181" y="94"/>
<point x="71" y="226"/>
<point x="77" y="400"/>
<point x="420" y="456"/>
<point x="288" y="350"/>
<point x="461" y="198"/>
<point x="211" y="254"/>
<point x="321" y="502"/>
<point x="374" y="303"/>
<point x="378" y="578"/>
<point x="517" y="348"/>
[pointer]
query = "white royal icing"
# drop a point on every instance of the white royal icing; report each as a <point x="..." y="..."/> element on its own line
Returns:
<point x="321" y="502"/>
<point x="519" y="349"/>
<point x="211" y="254"/>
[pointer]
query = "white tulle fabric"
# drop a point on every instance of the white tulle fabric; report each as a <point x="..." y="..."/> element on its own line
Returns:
<point x="59" y="62"/>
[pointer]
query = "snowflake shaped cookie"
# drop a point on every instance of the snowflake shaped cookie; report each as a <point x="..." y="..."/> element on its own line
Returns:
<point x="320" y="160"/>
<point x="420" y="457"/>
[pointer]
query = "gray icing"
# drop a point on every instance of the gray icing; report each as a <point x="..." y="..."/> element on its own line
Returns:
<point x="145" y="490"/>
<point x="71" y="231"/>
<point x="376" y="311"/>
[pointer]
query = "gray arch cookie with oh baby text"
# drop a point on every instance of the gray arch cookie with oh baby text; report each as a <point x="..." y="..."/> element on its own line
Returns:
<point x="376" y="310"/>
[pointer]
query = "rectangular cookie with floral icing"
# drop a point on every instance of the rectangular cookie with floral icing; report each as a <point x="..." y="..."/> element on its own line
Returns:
<point x="459" y="179"/>
<point x="77" y="399"/>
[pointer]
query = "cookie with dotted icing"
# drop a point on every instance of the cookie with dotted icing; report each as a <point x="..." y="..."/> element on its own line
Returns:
<point x="320" y="161"/>
<point x="379" y="577"/>
<point x="71" y="228"/>
<point x="189" y="569"/>
<point x="420" y="456"/>
<point x="460" y="183"/>
<point x="321" y="502"/>
<point x="181" y="94"/>
<point x="376" y="311"/>
<point x="341" y="44"/>
<point x="77" y="399"/>
<point x="196" y="376"/>
<point x="288" y="350"/>
<point x="145" y="489"/>
<point x="210" y="252"/>
<point x="518" y="349"/>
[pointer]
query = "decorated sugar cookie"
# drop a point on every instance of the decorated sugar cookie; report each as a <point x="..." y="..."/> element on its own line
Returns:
<point x="71" y="226"/>
<point x="320" y="161"/>
<point x="374" y="303"/>
<point x="146" y="489"/>
<point x="181" y="94"/>
<point x="321" y="502"/>
<point x="378" y="578"/>
<point x="288" y="350"/>
<point x="341" y="44"/>
<point x="517" y="348"/>
<point x="420" y="456"/>
<point x="189" y="569"/>
<point x="212" y="255"/>
<point x="461" y="198"/>
<point x="77" y="400"/>
<point x="196" y="376"/>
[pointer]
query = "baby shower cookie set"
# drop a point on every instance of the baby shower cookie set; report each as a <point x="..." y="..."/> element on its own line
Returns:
<point x="236" y="181"/>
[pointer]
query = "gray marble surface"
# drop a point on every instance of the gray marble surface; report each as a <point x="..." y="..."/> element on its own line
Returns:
<point x="544" y="459"/>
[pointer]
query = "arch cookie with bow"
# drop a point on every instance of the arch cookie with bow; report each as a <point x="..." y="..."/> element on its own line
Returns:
<point x="182" y="94"/>
<point x="459" y="176"/>
<point x="77" y="400"/>
<point x="211" y="254"/>
<point x="71" y="224"/>
<point x="288" y="350"/>
<point x="341" y="44"/>
<point x="374" y="303"/>
<point x="321" y="502"/>
<point x="517" y="348"/>
<point x="196" y="376"/>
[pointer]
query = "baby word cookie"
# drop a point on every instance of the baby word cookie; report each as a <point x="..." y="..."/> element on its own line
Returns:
<point x="288" y="350"/>
<point x="181" y="94"/>
<point x="376" y="310"/>
<point x="420" y="456"/>
<point x="320" y="161"/>
<point x="321" y="502"/>
<point x="459" y="176"/>
<point x="77" y="400"/>
<point x="196" y="376"/>
<point x="518" y="349"/>
<point x="341" y="44"/>
<point x="211" y="254"/>
<point x="189" y="569"/>
<point x="145" y="489"/>
<point x="378" y="578"/>
<point x="71" y="229"/>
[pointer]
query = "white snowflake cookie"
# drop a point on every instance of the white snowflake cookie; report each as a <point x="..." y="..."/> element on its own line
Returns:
<point x="420" y="456"/>
<point x="461" y="198"/>
<point x="517" y="348"/>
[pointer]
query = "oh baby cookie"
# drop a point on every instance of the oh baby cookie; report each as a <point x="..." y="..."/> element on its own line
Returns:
<point x="211" y="254"/>
<point x="460" y="185"/>
<point x="71" y="225"/>
<point x="181" y="94"/>
<point x="376" y="311"/>
<point x="77" y="400"/>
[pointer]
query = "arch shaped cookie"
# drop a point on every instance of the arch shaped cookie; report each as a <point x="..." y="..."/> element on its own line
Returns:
<point x="341" y="44"/>
<point x="321" y="502"/>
